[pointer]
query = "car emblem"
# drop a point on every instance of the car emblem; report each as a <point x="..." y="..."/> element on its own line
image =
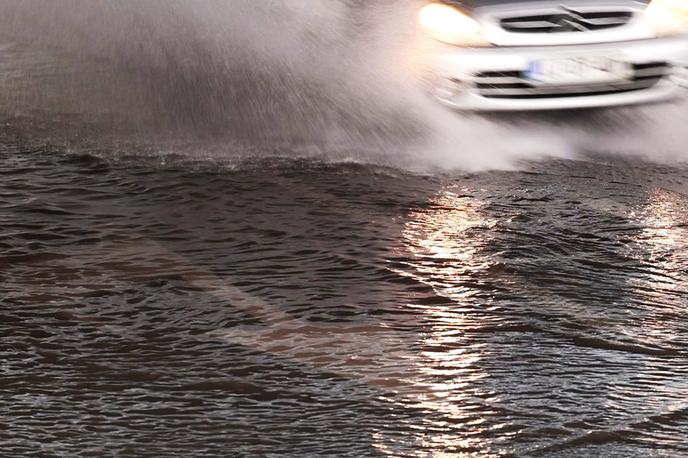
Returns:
<point x="571" y="21"/>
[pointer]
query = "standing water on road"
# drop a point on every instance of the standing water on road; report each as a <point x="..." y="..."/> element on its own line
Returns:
<point x="233" y="228"/>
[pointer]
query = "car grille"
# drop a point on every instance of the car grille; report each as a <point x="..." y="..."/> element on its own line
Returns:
<point x="514" y="85"/>
<point x="566" y="21"/>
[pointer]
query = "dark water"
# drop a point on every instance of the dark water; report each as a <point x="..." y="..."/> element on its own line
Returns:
<point x="162" y="307"/>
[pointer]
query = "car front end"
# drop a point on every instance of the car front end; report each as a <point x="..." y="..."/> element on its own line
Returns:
<point x="505" y="55"/>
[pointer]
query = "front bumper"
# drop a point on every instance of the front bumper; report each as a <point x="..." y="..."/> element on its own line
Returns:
<point x="469" y="79"/>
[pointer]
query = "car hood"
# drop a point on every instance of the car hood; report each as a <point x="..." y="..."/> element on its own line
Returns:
<point x="470" y="5"/>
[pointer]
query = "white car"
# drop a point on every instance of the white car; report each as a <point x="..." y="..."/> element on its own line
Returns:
<point x="504" y="55"/>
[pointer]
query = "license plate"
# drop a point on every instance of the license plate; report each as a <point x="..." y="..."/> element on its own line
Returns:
<point x="578" y="70"/>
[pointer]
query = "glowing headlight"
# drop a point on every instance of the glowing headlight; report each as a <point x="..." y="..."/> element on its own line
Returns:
<point x="449" y="25"/>
<point x="668" y="17"/>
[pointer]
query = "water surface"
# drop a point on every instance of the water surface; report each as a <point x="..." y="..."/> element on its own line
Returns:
<point x="159" y="306"/>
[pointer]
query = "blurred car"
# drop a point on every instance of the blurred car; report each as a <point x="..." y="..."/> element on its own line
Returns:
<point x="497" y="55"/>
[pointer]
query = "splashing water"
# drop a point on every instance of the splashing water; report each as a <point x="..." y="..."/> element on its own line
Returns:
<point x="334" y="79"/>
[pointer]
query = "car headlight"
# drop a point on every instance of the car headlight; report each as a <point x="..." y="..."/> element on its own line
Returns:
<point x="668" y="17"/>
<point x="450" y="25"/>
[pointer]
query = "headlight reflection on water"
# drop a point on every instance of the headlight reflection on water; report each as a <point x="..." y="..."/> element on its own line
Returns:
<point x="663" y="246"/>
<point x="444" y="244"/>
<point x="446" y="240"/>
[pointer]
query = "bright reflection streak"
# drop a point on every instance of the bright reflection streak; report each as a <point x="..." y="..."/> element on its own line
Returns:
<point x="444" y="243"/>
<point x="664" y="240"/>
<point x="663" y="244"/>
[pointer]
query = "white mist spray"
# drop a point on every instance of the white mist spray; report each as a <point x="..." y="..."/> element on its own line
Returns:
<point x="330" y="78"/>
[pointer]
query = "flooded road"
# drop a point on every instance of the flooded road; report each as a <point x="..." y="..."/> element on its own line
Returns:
<point x="164" y="307"/>
<point x="227" y="228"/>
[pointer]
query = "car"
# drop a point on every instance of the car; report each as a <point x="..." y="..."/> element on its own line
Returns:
<point x="523" y="55"/>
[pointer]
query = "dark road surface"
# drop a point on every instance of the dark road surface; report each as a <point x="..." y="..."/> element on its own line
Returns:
<point x="299" y="308"/>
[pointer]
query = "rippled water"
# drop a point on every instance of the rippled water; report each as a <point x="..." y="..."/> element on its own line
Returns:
<point x="280" y="307"/>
